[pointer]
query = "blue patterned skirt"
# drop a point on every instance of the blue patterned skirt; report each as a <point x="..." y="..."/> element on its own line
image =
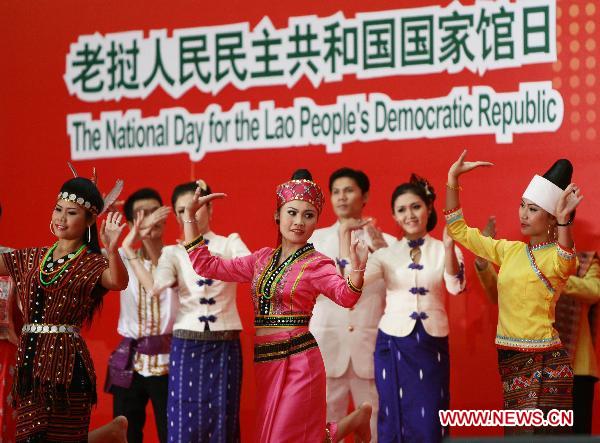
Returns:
<point x="205" y="378"/>
<point x="412" y="375"/>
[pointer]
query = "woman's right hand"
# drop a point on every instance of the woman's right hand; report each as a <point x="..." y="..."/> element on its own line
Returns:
<point x="199" y="201"/>
<point x="460" y="167"/>
<point x="157" y="217"/>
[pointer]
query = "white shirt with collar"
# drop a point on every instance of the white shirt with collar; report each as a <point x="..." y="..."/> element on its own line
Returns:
<point x="415" y="291"/>
<point x="343" y="334"/>
<point x="143" y="315"/>
<point x="202" y="300"/>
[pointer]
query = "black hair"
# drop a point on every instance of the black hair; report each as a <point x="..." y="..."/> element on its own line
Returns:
<point x="359" y="177"/>
<point x="302" y="174"/>
<point x="86" y="189"/>
<point x="184" y="188"/>
<point x="421" y="188"/>
<point x="140" y="194"/>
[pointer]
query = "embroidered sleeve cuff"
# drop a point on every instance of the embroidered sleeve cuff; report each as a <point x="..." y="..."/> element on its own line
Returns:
<point x="195" y="243"/>
<point x="452" y="215"/>
<point x="566" y="253"/>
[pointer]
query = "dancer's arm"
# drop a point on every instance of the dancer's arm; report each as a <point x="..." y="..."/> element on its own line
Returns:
<point x="165" y="275"/>
<point x="451" y="264"/>
<point x="454" y="266"/>
<point x="344" y="292"/>
<point x="472" y="239"/>
<point x="143" y="275"/>
<point x="238" y="269"/>
<point x="115" y="277"/>
<point x="565" y="260"/>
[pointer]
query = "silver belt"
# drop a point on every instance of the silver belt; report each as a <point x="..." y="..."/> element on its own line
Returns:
<point x="42" y="328"/>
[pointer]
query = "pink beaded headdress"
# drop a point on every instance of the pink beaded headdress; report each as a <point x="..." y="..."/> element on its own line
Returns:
<point x="305" y="190"/>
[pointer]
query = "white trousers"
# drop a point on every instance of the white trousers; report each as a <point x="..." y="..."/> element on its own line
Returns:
<point x="339" y="390"/>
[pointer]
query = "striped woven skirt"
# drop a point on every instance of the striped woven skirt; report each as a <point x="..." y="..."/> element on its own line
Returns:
<point x="53" y="414"/>
<point x="64" y="422"/>
<point x="536" y="380"/>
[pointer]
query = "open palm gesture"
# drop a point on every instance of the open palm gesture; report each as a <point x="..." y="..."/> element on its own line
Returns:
<point x="199" y="201"/>
<point x="111" y="230"/>
<point x="359" y="252"/>
<point x="461" y="166"/>
<point x="148" y="222"/>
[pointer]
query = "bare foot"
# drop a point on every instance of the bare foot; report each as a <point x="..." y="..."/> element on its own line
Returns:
<point x="362" y="432"/>
<point x="113" y="432"/>
<point x="357" y="423"/>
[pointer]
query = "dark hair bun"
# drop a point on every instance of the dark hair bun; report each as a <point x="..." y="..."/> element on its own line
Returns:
<point x="302" y="174"/>
<point x="423" y="183"/>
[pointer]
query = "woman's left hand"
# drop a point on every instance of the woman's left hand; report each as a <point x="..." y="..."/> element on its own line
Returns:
<point x="569" y="200"/>
<point x="359" y="252"/>
<point x="111" y="230"/>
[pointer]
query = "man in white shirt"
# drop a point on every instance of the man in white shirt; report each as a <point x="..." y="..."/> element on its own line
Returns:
<point x="346" y="337"/>
<point x="138" y="369"/>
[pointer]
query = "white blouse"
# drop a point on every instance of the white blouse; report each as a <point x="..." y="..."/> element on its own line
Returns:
<point x="201" y="301"/>
<point x="415" y="290"/>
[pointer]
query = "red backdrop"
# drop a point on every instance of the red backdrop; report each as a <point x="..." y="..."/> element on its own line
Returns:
<point x="35" y="147"/>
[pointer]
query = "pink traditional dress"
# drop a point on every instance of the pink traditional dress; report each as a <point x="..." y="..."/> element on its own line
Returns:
<point x="290" y="374"/>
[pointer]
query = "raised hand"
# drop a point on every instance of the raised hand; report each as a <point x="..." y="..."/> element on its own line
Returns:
<point x="376" y="236"/>
<point x="350" y="225"/>
<point x="134" y="233"/>
<point x="359" y="252"/>
<point x="461" y="166"/>
<point x="157" y="217"/>
<point x="111" y="230"/>
<point x="569" y="200"/>
<point x="199" y="201"/>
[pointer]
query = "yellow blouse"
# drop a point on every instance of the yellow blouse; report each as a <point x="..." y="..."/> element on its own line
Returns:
<point x="529" y="283"/>
<point x="585" y="289"/>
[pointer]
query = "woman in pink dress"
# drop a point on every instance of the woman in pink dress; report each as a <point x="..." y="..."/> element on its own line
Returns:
<point x="285" y="282"/>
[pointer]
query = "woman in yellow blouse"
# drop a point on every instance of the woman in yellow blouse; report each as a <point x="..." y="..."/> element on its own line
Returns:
<point x="577" y="306"/>
<point x="534" y="367"/>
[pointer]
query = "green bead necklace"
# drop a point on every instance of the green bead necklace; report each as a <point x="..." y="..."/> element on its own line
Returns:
<point x="62" y="269"/>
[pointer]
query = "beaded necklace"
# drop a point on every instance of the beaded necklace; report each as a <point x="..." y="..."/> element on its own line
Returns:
<point x="60" y="270"/>
<point x="272" y="274"/>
